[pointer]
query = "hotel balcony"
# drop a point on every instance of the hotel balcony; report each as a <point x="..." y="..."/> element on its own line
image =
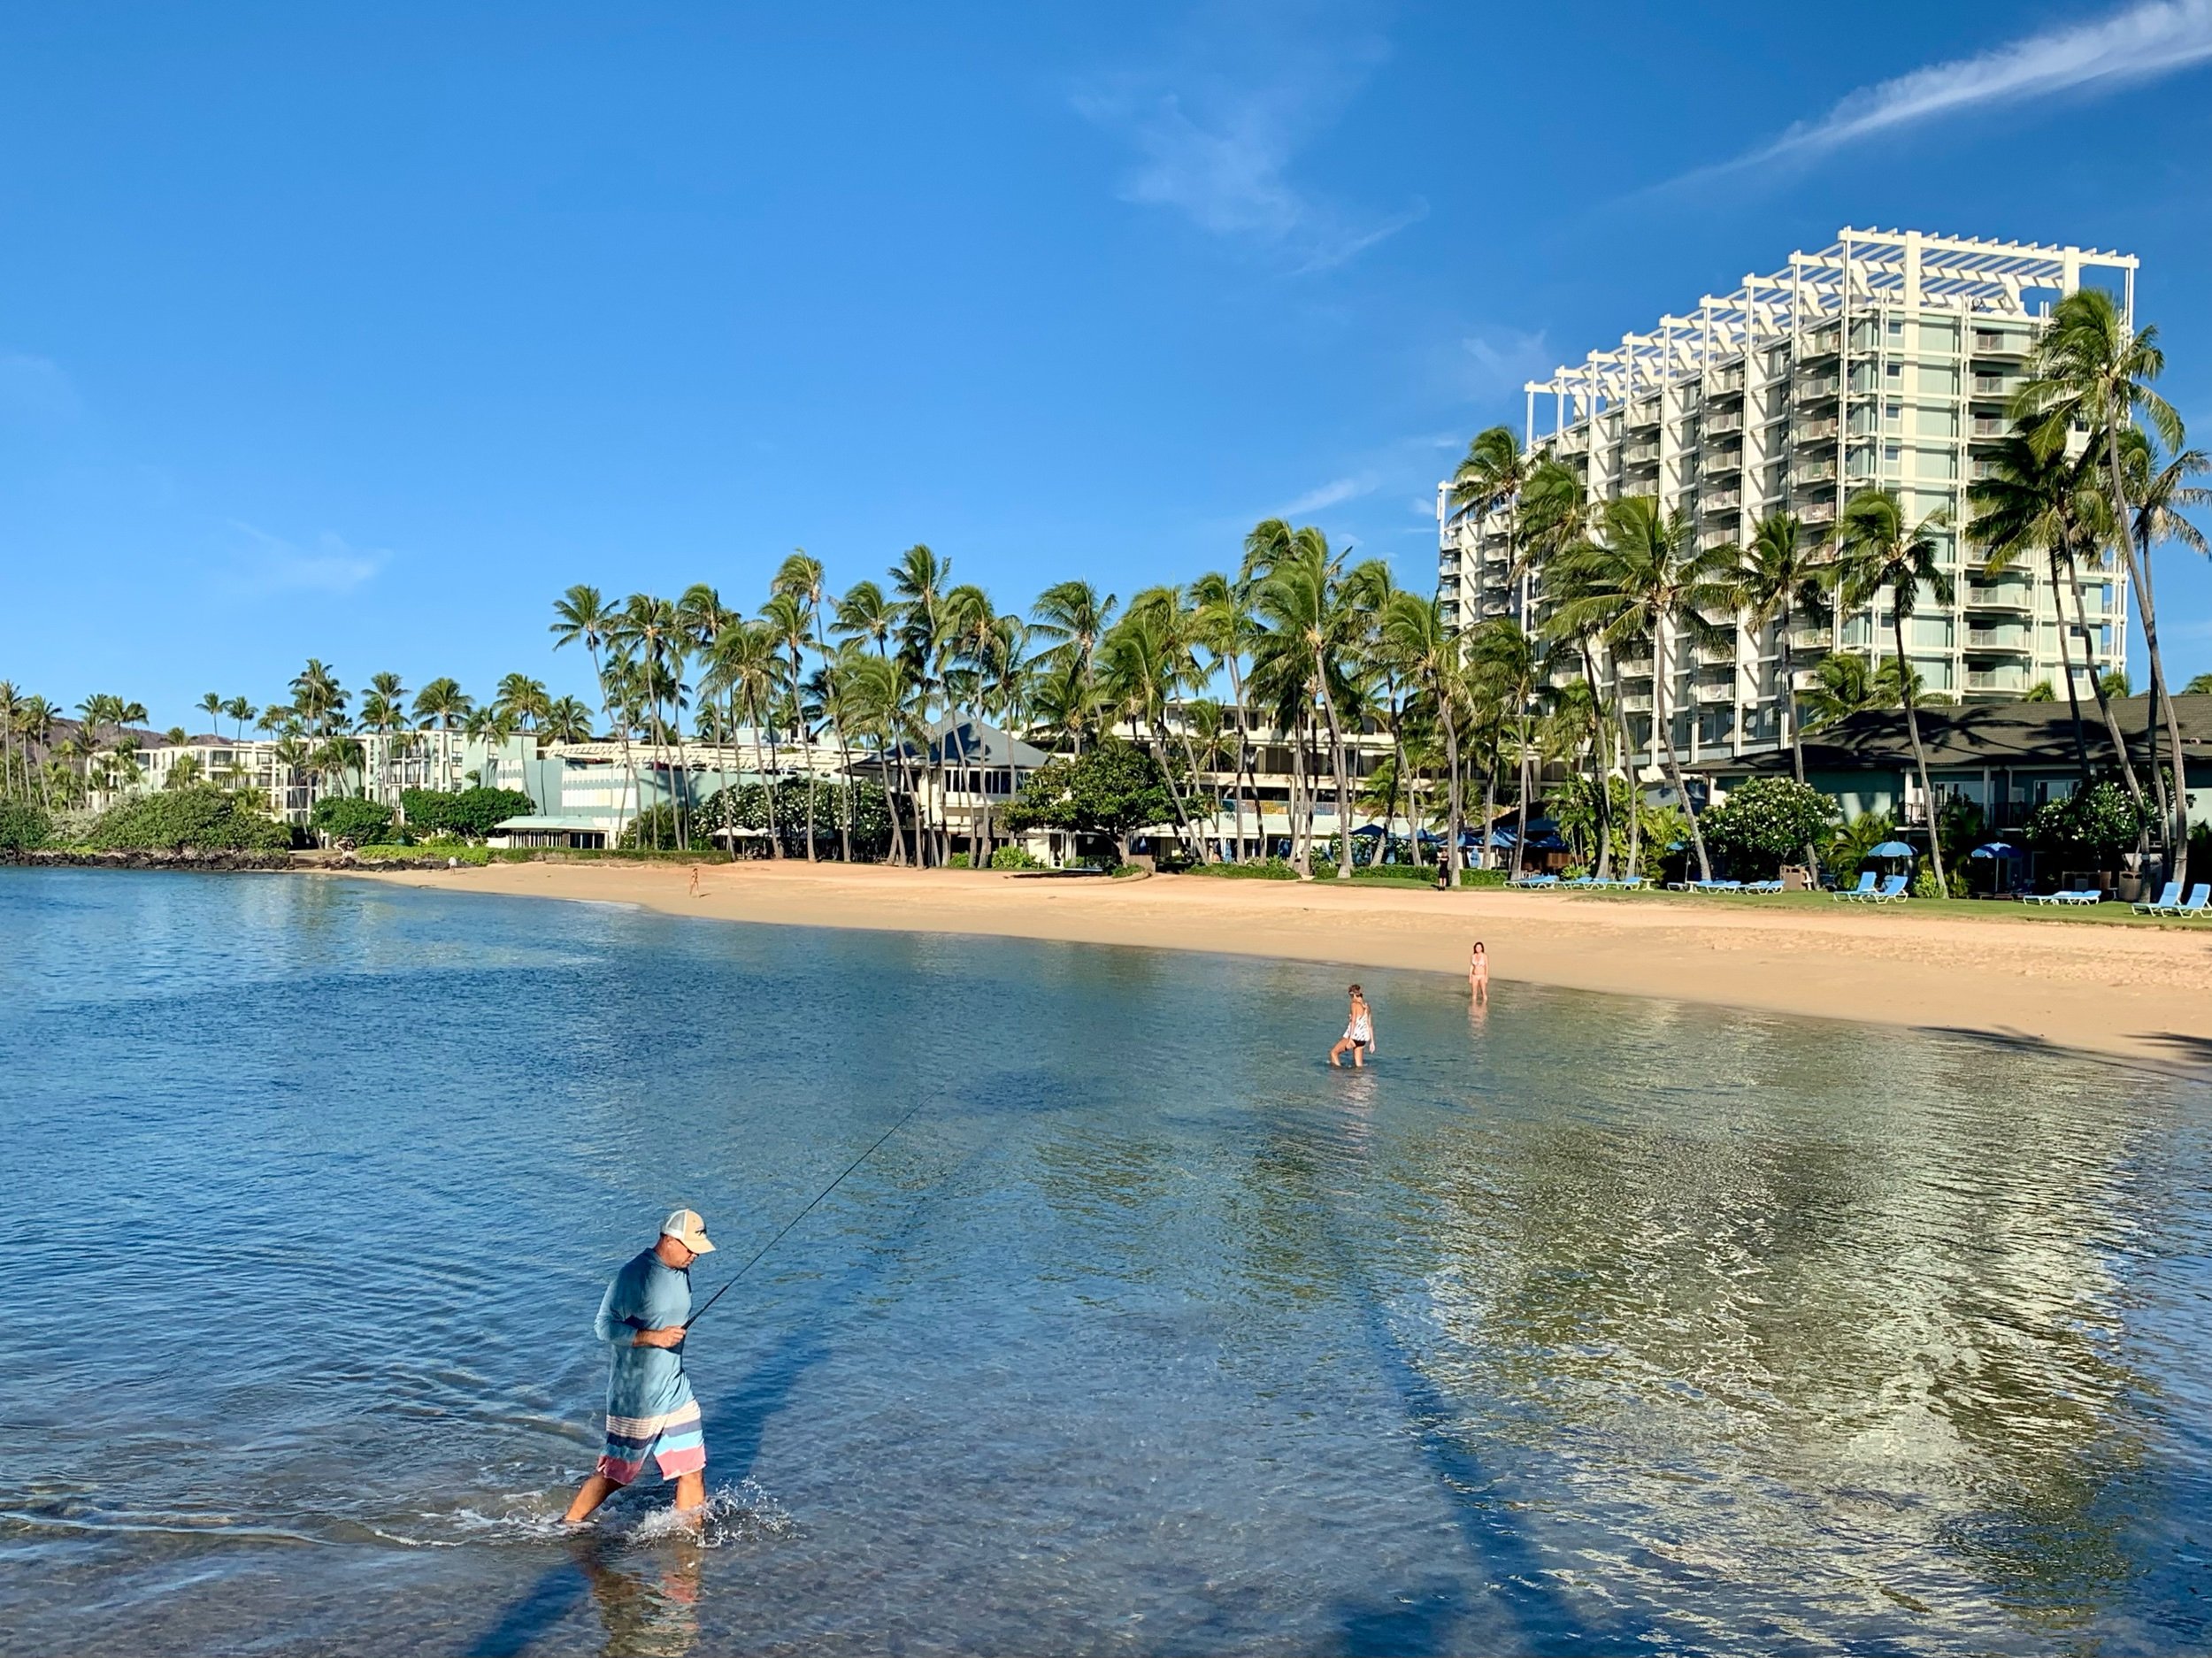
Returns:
<point x="1820" y="388"/>
<point x="1723" y="500"/>
<point x="1716" y="690"/>
<point x="1990" y="426"/>
<point x="1646" y="454"/>
<point x="2012" y="681"/>
<point x="1821" y="431"/>
<point x="1816" y="472"/>
<point x="2001" y="641"/>
<point x="1987" y="344"/>
<point x="2019" y="598"/>
<point x="1996" y="385"/>
<point x="1819" y="512"/>
<point x="1725" y="421"/>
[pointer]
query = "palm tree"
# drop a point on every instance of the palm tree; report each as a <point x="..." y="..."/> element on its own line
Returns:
<point x="319" y="698"/>
<point x="921" y="580"/>
<point x="2029" y="501"/>
<point x="212" y="705"/>
<point x="1427" y="653"/>
<point x="1142" y="660"/>
<point x="1779" y="576"/>
<point x="1490" y="479"/>
<point x="1074" y="617"/>
<point x="790" y="623"/>
<point x="2089" y="370"/>
<point x="568" y="719"/>
<point x="1507" y="662"/>
<point x="745" y="663"/>
<point x="649" y="630"/>
<point x="1228" y="630"/>
<point x="239" y="710"/>
<point x="439" y="704"/>
<point x="1878" y="551"/>
<point x="1843" y="685"/>
<point x="2159" y="493"/>
<point x="1300" y="599"/>
<point x="1651" y="587"/>
<point x="800" y="578"/>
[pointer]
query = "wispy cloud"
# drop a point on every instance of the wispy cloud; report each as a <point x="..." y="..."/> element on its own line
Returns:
<point x="1216" y="129"/>
<point x="35" y="388"/>
<point x="1332" y="494"/>
<point x="266" y="563"/>
<point x="1500" y="359"/>
<point x="2140" y="42"/>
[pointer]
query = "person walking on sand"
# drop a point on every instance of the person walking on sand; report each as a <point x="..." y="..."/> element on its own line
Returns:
<point x="1359" y="1034"/>
<point x="694" y="881"/>
<point x="651" y="1415"/>
<point x="1479" y="972"/>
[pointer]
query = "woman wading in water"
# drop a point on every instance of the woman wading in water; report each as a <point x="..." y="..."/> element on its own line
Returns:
<point x="1479" y="972"/>
<point x="1359" y="1034"/>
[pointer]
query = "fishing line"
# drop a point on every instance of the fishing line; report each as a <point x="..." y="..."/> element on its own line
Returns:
<point x="803" y="1213"/>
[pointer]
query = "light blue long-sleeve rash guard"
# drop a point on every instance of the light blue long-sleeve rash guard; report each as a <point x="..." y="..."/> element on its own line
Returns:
<point x="647" y="1294"/>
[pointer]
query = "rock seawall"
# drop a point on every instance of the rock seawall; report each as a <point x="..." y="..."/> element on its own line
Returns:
<point x="152" y="860"/>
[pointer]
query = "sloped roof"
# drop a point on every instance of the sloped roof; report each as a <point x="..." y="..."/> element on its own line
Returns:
<point x="971" y="742"/>
<point x="1993" y="734"/>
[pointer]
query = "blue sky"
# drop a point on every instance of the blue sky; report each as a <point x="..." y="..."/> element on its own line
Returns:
<point x="363" y="332"/>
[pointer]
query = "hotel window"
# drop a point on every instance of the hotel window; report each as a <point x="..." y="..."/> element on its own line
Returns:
<point x="1890" y="453"/>
<point x="1893" y="416"/>
<point x="1893" y="374"/>
<point x="1896" y="327"/>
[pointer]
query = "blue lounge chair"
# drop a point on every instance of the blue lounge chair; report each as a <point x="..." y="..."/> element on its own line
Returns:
<point x="1632" y="883"/>
<point x="1864" y="889"/>
<point x="1535" y="880"/>
<point x="2200" y="899"/>
<point x="1891" y="891"/>
<point x="1715" y="886"/>
<point x="1762" y="887"/>
<point x="2168" y="900"/>
<point x="2083" y="895"/>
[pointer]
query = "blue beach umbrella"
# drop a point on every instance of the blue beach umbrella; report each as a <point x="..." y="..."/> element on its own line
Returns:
<point x="1892" y="849"/>
<point x="1996" y="849"/>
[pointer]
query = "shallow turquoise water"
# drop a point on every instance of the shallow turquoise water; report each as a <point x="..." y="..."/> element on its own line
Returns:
<point x="1584" y="1323"/>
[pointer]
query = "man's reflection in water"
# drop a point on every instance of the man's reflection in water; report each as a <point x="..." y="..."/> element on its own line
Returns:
<point x="646" y="1593"/>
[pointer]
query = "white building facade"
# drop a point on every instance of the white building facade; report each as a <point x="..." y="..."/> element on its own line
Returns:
<point x="1885" y="360"/>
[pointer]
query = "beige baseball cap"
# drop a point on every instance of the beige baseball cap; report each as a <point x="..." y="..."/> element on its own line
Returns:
<point x="686" y="1227"/>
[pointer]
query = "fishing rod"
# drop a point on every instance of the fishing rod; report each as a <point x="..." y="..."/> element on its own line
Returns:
<point x="803" y="1213"/>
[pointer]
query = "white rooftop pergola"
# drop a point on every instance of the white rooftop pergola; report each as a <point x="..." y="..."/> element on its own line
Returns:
<point x="1862" y="268"/>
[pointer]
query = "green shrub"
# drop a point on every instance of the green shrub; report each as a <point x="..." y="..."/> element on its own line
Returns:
<point x="470" y="813"/>
<point x="201" y="818"/>
<point x="2096" y="824"/>
<point x="365" y="823"/>
<point x="653" y="829"/>
<point x="745" y="806"/>
<point x="1015" y="858"/>
<point x="960" y="861"/>
<point x="22" y="826"/>
<point x="1768" y="821"/>
<point x="1251" y="869"/>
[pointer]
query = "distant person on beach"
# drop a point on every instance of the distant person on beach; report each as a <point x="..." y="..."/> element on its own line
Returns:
<point x="694" y="881"/>
<point x="651" y="1415"/>
<point x="1479" y="972"/>
<point x="1359" y="1034"/>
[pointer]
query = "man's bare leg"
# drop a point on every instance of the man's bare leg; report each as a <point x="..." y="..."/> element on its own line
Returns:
<point x="589" y="1495"/>
<point x="691" y="1493"/>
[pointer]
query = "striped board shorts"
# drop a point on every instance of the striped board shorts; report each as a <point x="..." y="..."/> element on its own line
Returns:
<point x="673" y="1441"/>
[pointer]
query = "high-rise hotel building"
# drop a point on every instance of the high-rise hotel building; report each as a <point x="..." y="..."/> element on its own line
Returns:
<point x="1884" y="360"/>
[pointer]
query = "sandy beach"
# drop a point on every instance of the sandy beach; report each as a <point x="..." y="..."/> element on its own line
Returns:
<point x="2143" y="993"/>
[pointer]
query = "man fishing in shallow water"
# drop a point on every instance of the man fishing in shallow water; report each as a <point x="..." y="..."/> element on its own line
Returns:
<point x="651" y="1415"/>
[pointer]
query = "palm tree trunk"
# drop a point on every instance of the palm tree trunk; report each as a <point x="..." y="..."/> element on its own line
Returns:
<point x="2160" y="703"/>
<point x="2139" y="577"/>
<point x="1300" y="815"/>
<point x="1453" y="798"/>
<point x="1674" y="770"/>
<point x="1397" y="777"/>
<point x="2066" y="667"/>
<point x="1520" y="832"/>
<point x="1600" y="769"/>
<point x="1919" y="756"/>
<point x="1343" y="778"/>
<point x="1797" y="743"/>
<point x="2104" y="706"/>
<point x="1485" y="858"/>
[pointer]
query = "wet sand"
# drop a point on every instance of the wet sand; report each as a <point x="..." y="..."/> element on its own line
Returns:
<point x="2032" y="980"/>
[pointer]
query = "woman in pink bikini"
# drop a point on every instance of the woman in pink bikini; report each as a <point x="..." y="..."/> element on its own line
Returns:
<point x="1479" y="973"/>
